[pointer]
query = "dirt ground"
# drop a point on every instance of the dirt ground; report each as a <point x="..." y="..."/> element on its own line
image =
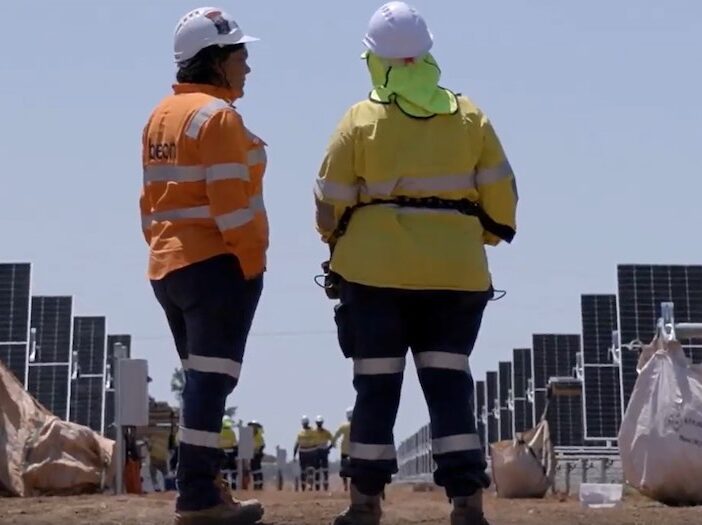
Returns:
<point x="403" y="506"/>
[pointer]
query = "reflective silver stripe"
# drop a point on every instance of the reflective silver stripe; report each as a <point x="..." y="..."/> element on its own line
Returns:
<point x="203" y="115"/>
<point x="240" y="217"/>
<point x="145" y="222"/>
<point x="455" y="443"/>
<point x="256" y="203"/>
<point x="171" y="173"/>
<point x="372" y="452"/>
<point x="435" y="184"/>
<point x="442" y="360"/>
<point x="198" y="212"/>
<point x="213" y="365"/>
<point x="490" y="175"/>
<point x="378" y="365"/>
<point x="234" y="219"/>
<point x="227" y="171"/>
<point x="199" y="438"/>
<point x="257" y="156"/>
<point x="336" y="191"/>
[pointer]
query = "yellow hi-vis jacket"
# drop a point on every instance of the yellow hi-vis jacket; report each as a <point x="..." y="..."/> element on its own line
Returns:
<point x="344" y="432"/>
<point x="306" y="440"/>
<point x="259" y="441"/>
<point x="322" y="437"/>
<point x="378" y="152"/>
<point x="227" y="437"/>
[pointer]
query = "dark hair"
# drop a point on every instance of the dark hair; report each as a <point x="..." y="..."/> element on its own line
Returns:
<point x="204" y="68"/>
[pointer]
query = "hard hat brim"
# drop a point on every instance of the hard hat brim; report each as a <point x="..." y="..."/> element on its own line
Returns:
<point x="245" y="39"/>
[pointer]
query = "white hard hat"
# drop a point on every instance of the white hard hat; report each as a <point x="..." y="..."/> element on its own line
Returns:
<point x="349" y="412"/>
<point x="203" y="27"/>
<point x="319" y="419"/>
<point x="305" y="420"/>
<point x="397" y="30"/>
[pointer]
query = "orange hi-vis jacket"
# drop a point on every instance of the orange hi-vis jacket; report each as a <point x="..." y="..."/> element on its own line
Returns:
<point x="203" y="183"/>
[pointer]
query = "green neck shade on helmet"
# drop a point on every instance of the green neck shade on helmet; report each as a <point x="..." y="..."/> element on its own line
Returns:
<point x="412" y="85"/>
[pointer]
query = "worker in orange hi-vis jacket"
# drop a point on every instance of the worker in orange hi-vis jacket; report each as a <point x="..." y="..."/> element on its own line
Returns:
<point x="205" y="223"/>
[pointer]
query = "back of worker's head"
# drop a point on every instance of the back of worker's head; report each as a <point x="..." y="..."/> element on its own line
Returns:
<point x="320" y="421"/>
<point x="305" y="422"/>
<point x="206" y="66"/>
<point x="397" y="31"/>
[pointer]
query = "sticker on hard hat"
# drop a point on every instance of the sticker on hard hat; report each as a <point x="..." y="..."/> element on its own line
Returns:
<point x="221" y="23"/>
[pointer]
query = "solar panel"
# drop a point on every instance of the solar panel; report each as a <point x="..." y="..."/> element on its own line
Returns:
<point x="480" y="410"/>
<point x="87" y="402"/>
<point x="14" y="357"/>
<point x="553" y="355"/>
<point x="112" y="341"/>
<point x="52" y="320"/>
<point x="565" y="412"/>
<point x="521" y="373"/>
<point x="603" y="411"/>
<point x="504" y="372"/>
<point x="87" y="391"/>
<point x="601" y="385"/>
<point x="642" y="289"/>
<point x="49" y="385"/>
<point x="89" y="343"/>
<point x="599" y="319"/>
<point x="491" y="402"/>
<point x="14" y="302"/>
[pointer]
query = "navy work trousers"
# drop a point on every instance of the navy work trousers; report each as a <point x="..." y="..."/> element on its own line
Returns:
<point x="209" y="307"/>
<point x="376" y="327"/>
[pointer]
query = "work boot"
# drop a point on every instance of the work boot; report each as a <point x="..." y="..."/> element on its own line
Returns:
<point x="235" y="513"/>
<point x="364" y="510"/>
<point x="229" y="512"/>
<point x="468" y="510"/>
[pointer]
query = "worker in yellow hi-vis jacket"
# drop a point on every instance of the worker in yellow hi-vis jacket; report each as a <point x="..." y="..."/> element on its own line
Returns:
<point x="413" y="186"/>
<point x="344" y="432"/>
<point x="230" y="447"/>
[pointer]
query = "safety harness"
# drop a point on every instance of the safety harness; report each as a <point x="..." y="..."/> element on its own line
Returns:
<point x="468" y="207"/>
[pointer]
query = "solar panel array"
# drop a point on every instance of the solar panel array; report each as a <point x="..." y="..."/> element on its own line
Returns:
<point x="112" y="341"/>
<point x="504" y="372"/>
<point x="642" y="289"/>
<point x="601" y="386"/>
<point x="14" y="317"/>
<point x="522" y="416"/>
<point x="88" y="389"/>
<point x="589" y="389"/>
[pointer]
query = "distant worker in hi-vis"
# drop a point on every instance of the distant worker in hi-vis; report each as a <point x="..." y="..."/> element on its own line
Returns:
<point x="306" y="446"/>
<point x="324" y="439"/>
<point x="203" y="218"/>
<point x="344" y="433"/>
<point x="414" y="184"/>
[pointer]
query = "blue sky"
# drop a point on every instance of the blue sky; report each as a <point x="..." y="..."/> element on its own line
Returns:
<point x="596" y="104"/>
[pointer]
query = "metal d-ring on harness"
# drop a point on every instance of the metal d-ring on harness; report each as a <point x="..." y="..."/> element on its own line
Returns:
<point x="331" y="280"/>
